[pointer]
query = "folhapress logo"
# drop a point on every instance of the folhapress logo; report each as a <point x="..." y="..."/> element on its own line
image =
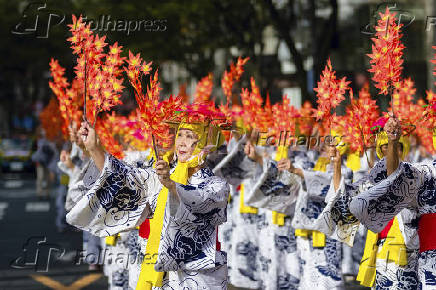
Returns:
<point x="37" y="20"/>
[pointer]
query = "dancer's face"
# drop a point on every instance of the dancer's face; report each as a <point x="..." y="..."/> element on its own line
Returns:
<point x="186" y="141"/>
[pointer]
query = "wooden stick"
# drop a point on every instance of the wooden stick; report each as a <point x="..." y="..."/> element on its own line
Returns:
<point x="156" y="151"/>
<point x="84" y="102"/>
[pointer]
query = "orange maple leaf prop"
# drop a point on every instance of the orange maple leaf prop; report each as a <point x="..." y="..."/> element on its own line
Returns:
<point x="360" y="115"/>
<point x="151" y="113"/>
<point x="330" y="93"/>
<point x="255" y="115"/>
<point x="387" y="53"/>
<point x="232" y="75"/>
<point x="306" y="121"/>
<point x="203" y="91"/>
<point x="52" y="121"/>
<point x="99" y="71"/>
<point x="285" y="120"/>
<point x="106" y="129"/>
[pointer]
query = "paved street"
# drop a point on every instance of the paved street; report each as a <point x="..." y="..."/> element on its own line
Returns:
<point x="48" y="259"/>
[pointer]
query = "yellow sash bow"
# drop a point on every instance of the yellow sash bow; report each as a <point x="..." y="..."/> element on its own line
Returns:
<point x="393" y="249"/>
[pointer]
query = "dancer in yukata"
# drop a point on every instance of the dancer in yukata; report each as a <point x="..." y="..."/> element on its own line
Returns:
<point x="184" y="199"/>
<point x="390" y="255"/>
<point x="406" y="186"/>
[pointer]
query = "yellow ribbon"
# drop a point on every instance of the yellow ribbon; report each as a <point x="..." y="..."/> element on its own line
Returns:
<point x="321" y="164"/>
<point x="65" y="179"/>
<point x="278" y="218"/>
<point x="318" y="238"/>
<point x="393" y="249"/>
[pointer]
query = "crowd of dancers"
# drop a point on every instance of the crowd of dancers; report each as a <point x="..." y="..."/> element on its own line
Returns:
<point x="255" y="215"/>
<point x="200" y="195"/>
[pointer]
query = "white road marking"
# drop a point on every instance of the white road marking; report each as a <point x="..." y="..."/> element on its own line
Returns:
<point x="3" y="207"/>
<point x="37" y="206"/>
<point x="13" y="183"/>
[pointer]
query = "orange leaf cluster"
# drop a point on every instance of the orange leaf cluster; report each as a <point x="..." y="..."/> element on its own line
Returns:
<point x="330" y="93"/>
<point x="254" y="114"/>
<point x="106" y="133"/>
<point x="203" y="91"/>
<point x="360" y="115"/>
<point x="285" y="118"/>
<point x="52" y="121"/>
<point x="96" y="69"/>
<point x="387" y="52"/>
<point x="402" y="101"/>
<point x="232" y="75"/>
<point x="306" y="121"/>
<point x="151" y="112"/>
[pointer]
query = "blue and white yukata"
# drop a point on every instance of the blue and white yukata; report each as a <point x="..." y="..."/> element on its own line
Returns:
<point x="338" y="221"/>
<point x="122" y="260"/>
<point x="274" y="190"/>
<point x="243" y="238"/>
<point x="124" y="196"/>
<point x="321" y="266"/>
<point x="410" y="186"/>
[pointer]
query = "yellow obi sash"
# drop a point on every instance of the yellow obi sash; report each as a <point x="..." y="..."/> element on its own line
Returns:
<point x="393" y="250"/>
<point x="318" y="238"/>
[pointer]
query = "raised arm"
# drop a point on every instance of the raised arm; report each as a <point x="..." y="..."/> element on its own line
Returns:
<point x="393" y="130"/>
<point x="92" y="145"/>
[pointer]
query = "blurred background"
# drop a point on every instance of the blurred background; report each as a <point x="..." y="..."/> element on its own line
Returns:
<point x="288" y="42"/>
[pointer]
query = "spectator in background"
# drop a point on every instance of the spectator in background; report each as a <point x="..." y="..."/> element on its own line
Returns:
<point x="46" y="164"/>
<point x="65" y="167"/>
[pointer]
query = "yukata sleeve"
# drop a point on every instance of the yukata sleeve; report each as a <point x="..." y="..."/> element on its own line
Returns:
<point x="64" y="169"/>
<point x="203" y="203"/>
<point x="273" y="189"/>
<point x="236" y="166"/>
<point x="378" y="205"/>
<point x="336" y="220"/>
<point x="119" y="200"/>
<point x="317" y="183"/>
